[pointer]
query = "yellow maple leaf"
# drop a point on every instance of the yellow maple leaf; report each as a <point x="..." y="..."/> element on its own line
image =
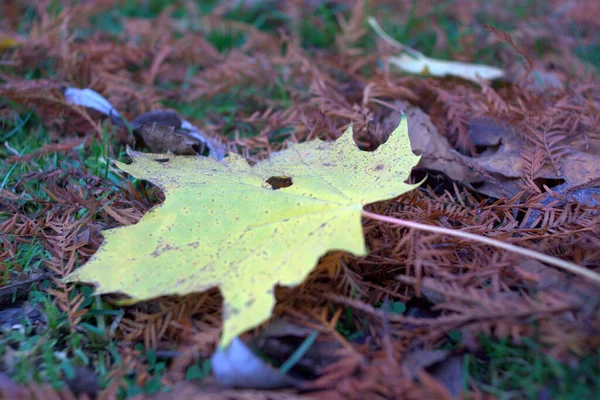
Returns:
<point x="247" y="228"/>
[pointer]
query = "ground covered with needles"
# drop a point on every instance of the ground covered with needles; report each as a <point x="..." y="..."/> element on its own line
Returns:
<point x="423" y="315"/>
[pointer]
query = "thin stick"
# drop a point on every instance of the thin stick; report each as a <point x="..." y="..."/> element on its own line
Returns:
<point x="568" y="266"/>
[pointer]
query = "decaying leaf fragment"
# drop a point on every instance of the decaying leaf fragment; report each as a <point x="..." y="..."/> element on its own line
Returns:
<point x="502" y="159"/>
<point x="224" y="224"/>
<point x="161" y="130"/>
<point x="162" y="139"/>
<point x="420" y="64"/>
<point x="415" y="62"/>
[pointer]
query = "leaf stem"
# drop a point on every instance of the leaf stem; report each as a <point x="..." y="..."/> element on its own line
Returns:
<point x="557" y="262"/>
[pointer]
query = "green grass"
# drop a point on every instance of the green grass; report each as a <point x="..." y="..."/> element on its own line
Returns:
<point x="262" y="16"/>
<point x="26" y="134"/>
<point x="319" y="30"/>
<point x="227" y="107"/>
<point x="525" y="372"/>
<point x="590" y="53"/>
<point x="153" y="385"/>
<point x="416" y="34"/>
<point x="49" y="353"/>
<point x="225" y="40"/>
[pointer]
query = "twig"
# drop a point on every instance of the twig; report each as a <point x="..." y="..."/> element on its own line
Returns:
<point x="568" y="266"/>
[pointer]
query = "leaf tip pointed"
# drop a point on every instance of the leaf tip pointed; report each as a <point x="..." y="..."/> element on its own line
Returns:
<point x="71" y="278"/>
<point x="347" y="137"/>
<point x="130" y="152"/>
<point x="127" y="302"/>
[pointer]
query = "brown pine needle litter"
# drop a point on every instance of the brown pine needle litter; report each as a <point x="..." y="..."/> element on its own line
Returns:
<point x="567" y="266"/>
<point x="491" y="266"/>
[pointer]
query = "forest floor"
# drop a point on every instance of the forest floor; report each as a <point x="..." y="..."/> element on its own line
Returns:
<point x="516" y="159"/>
